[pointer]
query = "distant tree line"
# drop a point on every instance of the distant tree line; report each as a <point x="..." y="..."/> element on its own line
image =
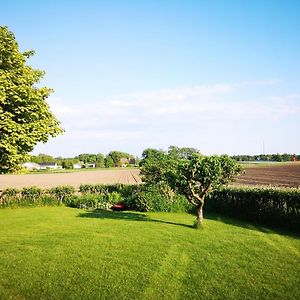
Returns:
<point x="268" y="157"/>
<point x="119" y="158"/>
<point x="113" y="159"/>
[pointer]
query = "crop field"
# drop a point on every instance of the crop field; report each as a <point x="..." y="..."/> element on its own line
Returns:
<point x="285" y="175"/>
<point x="126" y="176"/>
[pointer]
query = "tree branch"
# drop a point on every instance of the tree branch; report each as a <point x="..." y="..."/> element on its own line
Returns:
<point x="195" y="195"/>
<point x="192" y="202"/>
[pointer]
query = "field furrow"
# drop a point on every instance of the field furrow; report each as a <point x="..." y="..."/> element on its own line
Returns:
<point x="286" y="175"/>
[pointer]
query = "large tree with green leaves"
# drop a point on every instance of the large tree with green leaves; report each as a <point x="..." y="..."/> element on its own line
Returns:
<point x="159" y="168"/>
<point x="116" y="156"/>
<point x="25" y="117"/>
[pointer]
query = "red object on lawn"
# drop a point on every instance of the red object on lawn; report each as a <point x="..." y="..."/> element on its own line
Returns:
<point x="119" y="206"/>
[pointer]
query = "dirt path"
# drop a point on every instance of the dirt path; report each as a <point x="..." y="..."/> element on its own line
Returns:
<point x="74" y="179"/>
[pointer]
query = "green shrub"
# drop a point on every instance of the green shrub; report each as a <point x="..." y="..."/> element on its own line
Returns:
<point x="62" y="193"/>
<point x="113" y="198"/>
<point x="29" y="196"/>
<point x="94" y="201"/>
<point x="86" y="201"/>
<point x="128" y="190"/>
<point x="273" y="206"/>
<point x="92" y="188"/>
<point x="139" y="202"/>
<point x="85" y="188"/>
<point x="102" y="188"/>
<point x="32" y="193"/>
<point x="11" y="192"/>
<point x="9" y="197"/>
<point x="73" y="201"/>
<point x="152" y="198"/>
<point x="110" y="188"/>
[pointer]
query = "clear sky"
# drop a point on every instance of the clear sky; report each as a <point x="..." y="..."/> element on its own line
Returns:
<point x="221" y="76"/>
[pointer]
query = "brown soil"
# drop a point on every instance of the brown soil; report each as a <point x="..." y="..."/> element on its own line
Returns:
<point x="74" y="179"/>
<point x="287" y="175"/>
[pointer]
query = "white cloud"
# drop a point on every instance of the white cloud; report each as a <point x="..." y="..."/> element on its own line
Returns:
<point x="293" y="96"/>
<point x="159" y="114"/>
<point x="219" y="102"/>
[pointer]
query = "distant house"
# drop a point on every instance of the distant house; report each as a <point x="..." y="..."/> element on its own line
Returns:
<point x="77" y="166"/>
<point x="124" y="162"/>
<point x="31" y="166"/>
<point x="132" y="161"/>
<point x="90" y="165"/>
<point x="294" y="158"/>
<point x="50" y="165"/>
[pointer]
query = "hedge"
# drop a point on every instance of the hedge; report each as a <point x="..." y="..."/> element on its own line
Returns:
<point x="97" y="196"/>
<point x="271" y="206"/>
<point x="29" y="196"/>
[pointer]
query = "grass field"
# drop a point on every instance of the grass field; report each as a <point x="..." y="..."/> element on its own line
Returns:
<point x="64" y="253"/>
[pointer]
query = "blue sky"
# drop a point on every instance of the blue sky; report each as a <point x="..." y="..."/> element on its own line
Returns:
<point x="221" y="76"/>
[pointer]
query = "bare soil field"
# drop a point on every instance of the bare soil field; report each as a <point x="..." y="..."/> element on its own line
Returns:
<point x="75" y="178"/>
<point x="284" y="175"/>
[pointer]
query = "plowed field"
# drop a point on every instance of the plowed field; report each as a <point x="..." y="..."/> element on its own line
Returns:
<point x="75" y="179"/>
<point x="286" y="175"/>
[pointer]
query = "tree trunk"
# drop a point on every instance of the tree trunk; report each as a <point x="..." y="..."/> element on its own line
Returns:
<point x="200" y="215"/>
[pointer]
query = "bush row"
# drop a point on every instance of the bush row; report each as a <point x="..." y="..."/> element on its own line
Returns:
<point x="99" y="196"/>
<point x="271" y="206"/>
<point x="35" y="196"/>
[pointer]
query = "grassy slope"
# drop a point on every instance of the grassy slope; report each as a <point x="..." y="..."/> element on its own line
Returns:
<point x="64" y="253"/>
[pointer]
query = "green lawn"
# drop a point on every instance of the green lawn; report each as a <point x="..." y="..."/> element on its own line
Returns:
<point x="65" y="253"/>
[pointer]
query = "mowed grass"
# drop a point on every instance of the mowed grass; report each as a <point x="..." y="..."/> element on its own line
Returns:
<point x="65" y="253"/>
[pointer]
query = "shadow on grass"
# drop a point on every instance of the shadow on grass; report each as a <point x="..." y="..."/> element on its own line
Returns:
<point x="136" y="216"/>
<point x="116" y="215"/>
<point x="251" y="226"/>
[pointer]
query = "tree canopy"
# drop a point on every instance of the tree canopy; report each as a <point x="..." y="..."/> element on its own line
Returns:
<point x="188" y="172"/>
<point x="116" y="157"/>
<point x="25" y="117"/>
<point x="200" y="175"/>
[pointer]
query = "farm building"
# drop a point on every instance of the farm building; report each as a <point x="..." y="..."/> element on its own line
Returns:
<point x="124" y="162"/>
<point x="77" y="166"/>
<point x="90" y="165"/>
<point x="31" y="166"/>
<point x="132" y="161"/>
<point x="49" y="165"/>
